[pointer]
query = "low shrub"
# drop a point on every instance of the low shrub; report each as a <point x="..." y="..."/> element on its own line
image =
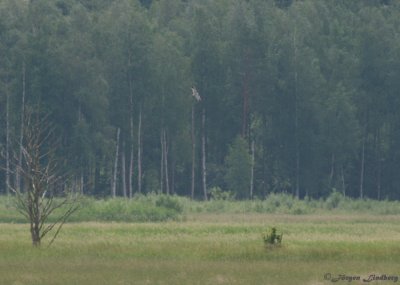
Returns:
<point x="154" y="208"/>
<point x="333" y="200"/>
<point x="169" y="202"/>
<point x="272" y="238"/>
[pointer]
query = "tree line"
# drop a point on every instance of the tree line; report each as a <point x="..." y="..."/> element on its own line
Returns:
<point x="187" y="96"/>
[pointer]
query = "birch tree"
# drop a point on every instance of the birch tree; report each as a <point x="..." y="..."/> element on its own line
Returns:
<point x="196" y="98"/>
<point x="140" y="151"/>
<point x="115" y="170"/>
<point x="8" y="170"/>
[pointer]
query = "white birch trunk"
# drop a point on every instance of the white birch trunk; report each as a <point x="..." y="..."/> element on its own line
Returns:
<point x="123" y="171"/>
<point x="331" y="175"/>
<point x="140" y="152"/>
<point x="379" y="170"/>
<point x="296" y="119"/>
<point x="162" y="163"/>
<point x="362" y="169"/>
<point x="21" y="137"/>
<point x="193" y="153"/>
<point x="173" y="176"/>
<point x="114" y="181"/>
<point x="343" y="182"/>
<point x="166" y="163"/>
<point x="203" y="153"/>
<point x="81" y="183"/>
<point x="7" y="142"/>
<point x="130" y="178"/>
<point x="131" y="162"/>
<point x="252" y="169"/>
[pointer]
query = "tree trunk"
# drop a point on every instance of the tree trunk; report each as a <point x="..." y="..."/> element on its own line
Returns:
<point x="162" y="163"/>
<point x="35" y="234"/>
<point x="173" y="175"/>
<point x="43" y="181"/>
<point x="131" y="162"/>
<point x="92" y="176"/>
<point x="123" y="170"/>
<point x="379" y="166"/>
<point x="264" y="181"/>
<point x="297" y="153"/>
<point x="362" y="169"/>
<point x="246" y="95"/>
<point x="203" y="153"/>
<point x="166" y="162"/>
<point x="8" y="142"/>
<point x="130" y="178"/>
<point x="265" y="159"/>
<point x="332" y="170"/>
<point x="379" y="187"/>
<point x="343" y="182"/>
<point x="34" y="214"/>
<point x="193" y="153"/>
<point x="97" y="175"/>
<point x="252" y="169"/>
<point x="81" y="183"/>
<point x="296" y="119"/>
<point x="140" y="152"/>
<point x="21" y="137"/>
<point x="114" y="181"/>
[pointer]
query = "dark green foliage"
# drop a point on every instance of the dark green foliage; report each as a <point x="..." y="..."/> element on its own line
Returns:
<point x="217" y="193"/>
<point x="238" y="167"/>
<point x="272" y="237"/>
<point x="314" y="84"/>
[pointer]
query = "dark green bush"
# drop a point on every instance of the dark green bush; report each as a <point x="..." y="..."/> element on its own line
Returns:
<point x="272" y="238"/>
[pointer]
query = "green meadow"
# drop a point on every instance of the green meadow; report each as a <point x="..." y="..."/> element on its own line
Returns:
<point x="207" y="248"/>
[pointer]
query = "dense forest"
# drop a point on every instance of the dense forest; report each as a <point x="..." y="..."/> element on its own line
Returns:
<point x="191" y="96"/>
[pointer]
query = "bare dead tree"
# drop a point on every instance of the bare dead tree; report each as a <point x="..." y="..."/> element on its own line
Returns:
<point x="45" y="191"/>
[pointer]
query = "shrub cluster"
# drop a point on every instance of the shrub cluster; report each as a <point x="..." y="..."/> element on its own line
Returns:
<point x="150" y="208"/>
<point x="288" y="204"/>
<point x="158" y="208"/>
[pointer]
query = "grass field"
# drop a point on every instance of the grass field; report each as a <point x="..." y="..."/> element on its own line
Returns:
<point x="206" y="249"/>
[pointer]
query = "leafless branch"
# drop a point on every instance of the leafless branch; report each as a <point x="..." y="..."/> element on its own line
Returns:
<point x="39" y="169"/>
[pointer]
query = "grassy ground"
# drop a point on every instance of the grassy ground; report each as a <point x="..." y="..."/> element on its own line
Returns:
<point x="206" y="249"/>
